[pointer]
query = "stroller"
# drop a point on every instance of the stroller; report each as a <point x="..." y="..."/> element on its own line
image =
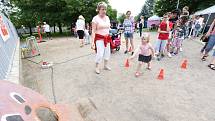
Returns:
<point x="116" y="40"/>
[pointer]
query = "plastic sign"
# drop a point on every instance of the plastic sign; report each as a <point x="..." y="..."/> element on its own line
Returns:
<point x="4" y="33"/>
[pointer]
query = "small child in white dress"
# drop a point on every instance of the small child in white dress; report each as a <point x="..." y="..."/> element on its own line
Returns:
<point x="87" y="35"/>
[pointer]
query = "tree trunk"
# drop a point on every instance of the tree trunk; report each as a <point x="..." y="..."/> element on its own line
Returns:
<point x="31" y="33"/>
<point x="60" y="28"/>
<point x="54" y="28"/>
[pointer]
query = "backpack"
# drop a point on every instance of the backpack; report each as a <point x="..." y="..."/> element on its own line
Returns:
<point x="197" y="26"/>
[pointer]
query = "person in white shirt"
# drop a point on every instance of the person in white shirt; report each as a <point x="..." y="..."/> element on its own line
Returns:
<point x="141" y="25"/>
<point x="197" y="26"/>
<point x="80" y="28"/>
<point x="47" y="30"/>
<point x="101" y="37"/>
<point x="201" y="21"/>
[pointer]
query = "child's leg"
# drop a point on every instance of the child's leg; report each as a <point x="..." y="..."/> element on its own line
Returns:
<point x="149" y="66"/>
<point x="89" y="39"/>
<point x="163" y="46"/>
<point x="168" y="46"/>
<point x="157" y="46"/>
<point x="86" y="39"/>
<point x="191" y="32"/>
<point x="177" y="50"/>
<point x="139" y="67"/>
<point x="203" y="49"/>
<point x="179" y="45"/>
<point x="173" y="49"/>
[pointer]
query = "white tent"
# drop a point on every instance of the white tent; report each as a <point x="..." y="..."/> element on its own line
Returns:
<point x="153" y="18"/>
<point x="206" y="11"/>
<point x="153" y="21"/>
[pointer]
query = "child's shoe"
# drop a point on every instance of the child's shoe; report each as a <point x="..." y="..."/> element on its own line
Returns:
<point x="175" y="54"/>
<point x="137" y="74"/>
<point x="162" y="55"/>
<point x="149" y="68"/>
<point x="169" y="55"/>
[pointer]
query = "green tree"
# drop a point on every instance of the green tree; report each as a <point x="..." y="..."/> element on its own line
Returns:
<point x="29" y="12"/>
<point x="112" y="13"/>
<point x="7" y="8"/>
<point x="163" y="6"/>
<point x="87" y="8"/>
<point x="147" y="9"/>
<point x="56" y="12"/>
<point x="121" y="18"/>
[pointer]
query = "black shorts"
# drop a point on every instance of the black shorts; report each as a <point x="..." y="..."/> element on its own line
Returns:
<point x="80" y="34"/>
<point x="145" y="59"/>
<point x="48" y="34"/>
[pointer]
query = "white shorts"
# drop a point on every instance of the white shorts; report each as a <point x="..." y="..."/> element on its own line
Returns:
<point x="102" y="51"/>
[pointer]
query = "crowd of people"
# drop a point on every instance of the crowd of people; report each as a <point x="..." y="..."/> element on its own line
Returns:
<point x="174" y="28"/>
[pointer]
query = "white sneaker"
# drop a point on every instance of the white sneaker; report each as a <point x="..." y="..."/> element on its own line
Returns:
<point x="156" y="54"/>
<point x="169" y="55"/>
<point x="107" y="68"/>
<point x="181" y="50"/>
<point x="97" y="71"/>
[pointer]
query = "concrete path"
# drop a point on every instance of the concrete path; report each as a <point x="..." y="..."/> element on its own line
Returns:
<point x="184" y="95"/>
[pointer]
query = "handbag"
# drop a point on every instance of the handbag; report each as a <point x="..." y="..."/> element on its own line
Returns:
<point x="204" y="39"/>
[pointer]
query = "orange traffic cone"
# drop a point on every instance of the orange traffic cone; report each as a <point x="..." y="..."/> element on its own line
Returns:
<point x="184" y="64"/>
<point x="161" y="74"/>
<point x="127" y="63"/>
<point x="130" y="49"/>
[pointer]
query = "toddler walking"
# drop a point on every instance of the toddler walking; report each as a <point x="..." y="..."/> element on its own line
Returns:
<point x="145" y="51"/>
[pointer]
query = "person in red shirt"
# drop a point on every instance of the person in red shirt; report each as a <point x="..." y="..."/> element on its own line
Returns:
<point x="163" y="36"/>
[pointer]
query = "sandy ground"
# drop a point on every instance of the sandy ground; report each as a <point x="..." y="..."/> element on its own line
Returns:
<point x="184" y="95"/>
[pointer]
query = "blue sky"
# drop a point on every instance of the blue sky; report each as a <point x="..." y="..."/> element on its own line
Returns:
<point x="123" y="5"/>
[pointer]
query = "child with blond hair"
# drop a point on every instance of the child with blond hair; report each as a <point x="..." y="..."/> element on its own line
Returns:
<point x="145" y="52"/>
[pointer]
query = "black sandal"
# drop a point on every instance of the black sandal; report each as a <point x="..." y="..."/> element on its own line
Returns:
<point x="211" y="66"/>
<point x="204" y="58"/>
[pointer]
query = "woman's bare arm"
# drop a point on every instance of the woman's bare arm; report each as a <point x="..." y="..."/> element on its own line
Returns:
<point x="163" y="32"/>
<point x="93" y="33"/>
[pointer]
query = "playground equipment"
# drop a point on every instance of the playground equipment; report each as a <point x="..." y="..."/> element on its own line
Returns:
<point x="31" y="49"/>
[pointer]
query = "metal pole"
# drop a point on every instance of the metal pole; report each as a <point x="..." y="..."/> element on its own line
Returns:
<point x="178" y="4"/>
<point x="209" y="15"/>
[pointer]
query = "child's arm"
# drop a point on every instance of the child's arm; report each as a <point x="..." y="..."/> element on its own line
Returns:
<point x="152" y="49"/>
<point x="135" y="53"/>
<point x="163" y="32"/>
